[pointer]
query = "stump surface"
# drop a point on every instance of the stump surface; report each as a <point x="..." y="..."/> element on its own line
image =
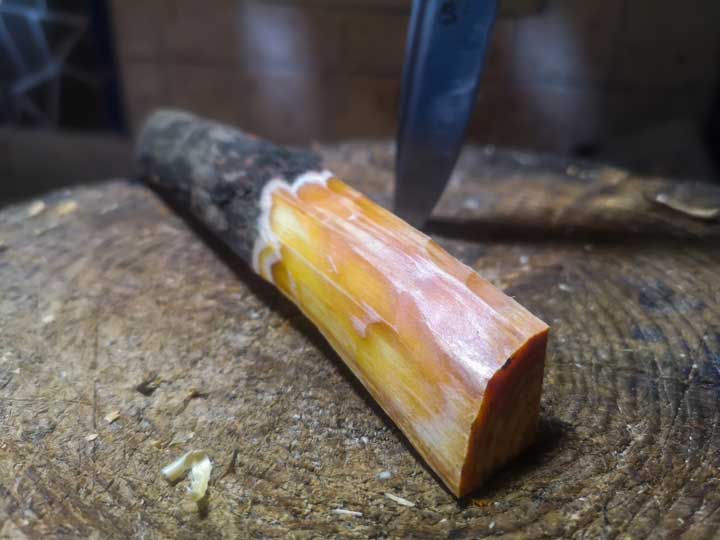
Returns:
<point x="110" y="304"/>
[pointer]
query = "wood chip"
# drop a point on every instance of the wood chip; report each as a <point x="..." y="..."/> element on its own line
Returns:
<point x="199" y="476"/>
<point x="344" y="512"/>
<point x="35" y="208"/>
<point x="68" y="207"/>
<point x="91" y="437"/>
<point x="399" y="500"/>
<point x="198" y="467"/>
<point x="112" y="416"/>
<point x="704" y="214"/>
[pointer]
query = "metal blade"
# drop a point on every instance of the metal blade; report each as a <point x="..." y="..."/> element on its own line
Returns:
<point x="444" y="59"/>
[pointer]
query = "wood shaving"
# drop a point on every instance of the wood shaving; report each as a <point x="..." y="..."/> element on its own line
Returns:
<point x="400" y="500"/>
<point x="91" y="437"/>
<point x="68" y="207"/>
<point x="344" y="512"/>
<point x="704" y="214"/>
<point x="112" y="416"/>
<point x="198" y="467"/>
<point x="199" y="477"/>
<point x="35" y="208"/>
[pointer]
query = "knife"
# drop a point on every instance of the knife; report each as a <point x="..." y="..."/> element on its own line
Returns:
<point x="446" y="48"/>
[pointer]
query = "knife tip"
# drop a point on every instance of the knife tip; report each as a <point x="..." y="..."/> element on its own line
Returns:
<point x="410" y="215"/>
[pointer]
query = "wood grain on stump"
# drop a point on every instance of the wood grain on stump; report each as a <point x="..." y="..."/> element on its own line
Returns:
<point x="117" y="304"/>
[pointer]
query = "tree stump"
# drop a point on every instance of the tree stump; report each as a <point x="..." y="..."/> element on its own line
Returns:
<point x="112" y="305"/>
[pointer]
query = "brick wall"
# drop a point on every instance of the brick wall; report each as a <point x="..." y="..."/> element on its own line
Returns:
<point x="561" y="73"/>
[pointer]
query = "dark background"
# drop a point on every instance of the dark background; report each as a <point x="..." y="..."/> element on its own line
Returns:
<point x="631" y="82"/>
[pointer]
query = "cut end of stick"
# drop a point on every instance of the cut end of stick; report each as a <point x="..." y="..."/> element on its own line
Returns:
<point x="507" y="421"/>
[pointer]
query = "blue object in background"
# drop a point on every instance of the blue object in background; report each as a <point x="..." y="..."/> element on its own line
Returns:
<point x="57" y="65"/>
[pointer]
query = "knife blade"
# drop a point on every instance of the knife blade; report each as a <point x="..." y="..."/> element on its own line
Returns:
<point x="446" y="48"/>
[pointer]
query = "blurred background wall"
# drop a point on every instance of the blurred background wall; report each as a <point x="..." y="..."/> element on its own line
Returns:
<point x="563" y="75"/>
<point x="629" y="81"/>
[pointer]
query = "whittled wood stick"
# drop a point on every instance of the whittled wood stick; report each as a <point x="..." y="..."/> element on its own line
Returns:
<point x="455" y="363"/>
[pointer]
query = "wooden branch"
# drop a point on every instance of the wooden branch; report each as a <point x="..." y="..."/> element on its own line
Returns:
<point x="454" y="362"/>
